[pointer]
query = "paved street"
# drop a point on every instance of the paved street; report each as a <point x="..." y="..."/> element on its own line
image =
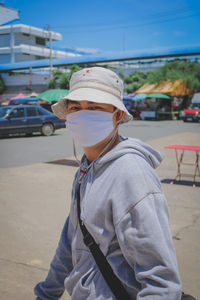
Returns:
<point x="35" y="200"/>
<point x="20" y="151"/>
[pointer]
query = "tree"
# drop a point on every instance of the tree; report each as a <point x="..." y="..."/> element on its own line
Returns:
<point x="188" y="71"/>
<point x="134" y="81"/>
<point x="131" y="87"/>
<point x="64" y="81"/>
<point x="74" y="68"/>
<point x="61" y="79"/>
<point x="57" y="74"/>
<point x="52" y="84"/>
<point x="121" y="74"/>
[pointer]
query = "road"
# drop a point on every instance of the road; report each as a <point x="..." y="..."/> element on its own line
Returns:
<point x="21" y="151"/>
<point x="35" y="200"/>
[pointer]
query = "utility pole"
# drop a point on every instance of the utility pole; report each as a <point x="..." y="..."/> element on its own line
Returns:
<point x="50" y="54"/>
<point x="12" y="44"/>
<point x="30" y="81"/>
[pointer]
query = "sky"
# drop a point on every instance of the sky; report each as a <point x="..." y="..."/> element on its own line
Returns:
<point x="115" y="25"/>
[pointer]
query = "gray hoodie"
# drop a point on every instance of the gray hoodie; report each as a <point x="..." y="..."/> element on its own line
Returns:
<point x="125" y="210"/>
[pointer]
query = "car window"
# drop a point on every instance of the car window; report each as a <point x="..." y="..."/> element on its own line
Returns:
<point x="31" y="112"/>
<point x="195" y="106"/>
<point x="17" y="112"/>
<point x="4" y="111"/>
<point x="40" y="112"/>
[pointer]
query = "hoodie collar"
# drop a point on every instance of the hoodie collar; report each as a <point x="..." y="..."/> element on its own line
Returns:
<point x="135" y="146"/>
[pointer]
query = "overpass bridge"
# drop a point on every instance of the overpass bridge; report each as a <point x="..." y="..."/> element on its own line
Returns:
<point x="162" y="53"/>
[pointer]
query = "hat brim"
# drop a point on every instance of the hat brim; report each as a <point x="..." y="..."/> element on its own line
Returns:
<point x="93" y="95"/>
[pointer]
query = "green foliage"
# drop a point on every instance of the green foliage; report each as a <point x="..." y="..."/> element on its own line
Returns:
<point x="121" y="74"/>
<point x="73" y="69"/>
<point x="2" y="85"/>
<point x="61" y="79"/>
<point x="131" y="87"/>
<point x="188" y="71"/>
<point x="52" y="84"/>
<point x="64" y="81"/>
<point x="193" y="83"/>
<point x="134" y="81"/>
<point x="57" y="74"/>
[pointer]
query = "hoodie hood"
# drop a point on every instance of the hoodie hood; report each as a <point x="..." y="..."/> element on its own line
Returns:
<point x="135" y="146"/>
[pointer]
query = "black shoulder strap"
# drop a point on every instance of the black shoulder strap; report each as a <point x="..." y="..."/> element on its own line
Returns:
<point x="111" y="279"/>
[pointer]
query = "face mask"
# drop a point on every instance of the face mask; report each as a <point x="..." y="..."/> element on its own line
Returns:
<point x="89" y="127"/>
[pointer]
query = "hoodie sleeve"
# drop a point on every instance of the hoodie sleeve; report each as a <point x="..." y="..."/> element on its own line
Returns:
<point x="61" y="265"/>
<point x="145" y="240"/>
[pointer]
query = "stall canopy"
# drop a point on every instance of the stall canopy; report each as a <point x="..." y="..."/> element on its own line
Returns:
<point x="158" y="95"/>
<point x="139" y="97"/>
<point x="169" y="87"/>
<point x="53" y="95"/>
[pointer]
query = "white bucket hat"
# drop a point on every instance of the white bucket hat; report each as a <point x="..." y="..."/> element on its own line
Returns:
<point x="97" y="85"/>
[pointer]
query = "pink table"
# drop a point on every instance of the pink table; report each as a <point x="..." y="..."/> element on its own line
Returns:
<point x="179" y="159"/>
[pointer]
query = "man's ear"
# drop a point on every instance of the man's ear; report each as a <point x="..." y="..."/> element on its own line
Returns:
<point x="118" y="116"/>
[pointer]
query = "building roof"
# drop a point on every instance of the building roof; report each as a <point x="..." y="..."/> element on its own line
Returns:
<point x="169" y="87"/>
<point x="8" y="14"/>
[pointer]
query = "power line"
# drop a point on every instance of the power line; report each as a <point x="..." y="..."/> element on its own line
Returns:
<point x="159" y="15"/>
<point x="135" y="25"/>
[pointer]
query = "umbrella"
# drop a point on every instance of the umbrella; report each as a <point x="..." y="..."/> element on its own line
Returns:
<point x="53" y="95"/>
<point x="20" y="95"/>
<point x="132" y="94"/>
<point x="125" y="97"/>
<point x="4" y="102"/>
<point x="33" y="95"/>
<point x="158" y="95"/>
<point x="140" y="97"/>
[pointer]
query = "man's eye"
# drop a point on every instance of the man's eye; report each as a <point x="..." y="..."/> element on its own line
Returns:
<point x="74" y="108"/>
<point x="95" y="108"/>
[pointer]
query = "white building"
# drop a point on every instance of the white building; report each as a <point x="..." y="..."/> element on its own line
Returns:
<point x="24" y="43"/>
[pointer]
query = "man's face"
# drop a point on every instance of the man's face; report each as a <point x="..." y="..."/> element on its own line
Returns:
<point x="73" y="106"/>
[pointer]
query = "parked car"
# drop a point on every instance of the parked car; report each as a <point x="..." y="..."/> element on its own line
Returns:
<point x="191" y="114"/>
<point x="28" y="119"/>
<point x="198" y="117"/>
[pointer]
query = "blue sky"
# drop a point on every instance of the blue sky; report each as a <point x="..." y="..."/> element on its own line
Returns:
<point x="116" y="25"/>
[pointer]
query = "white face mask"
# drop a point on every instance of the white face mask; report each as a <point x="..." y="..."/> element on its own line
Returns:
<point x="89" y="127"/>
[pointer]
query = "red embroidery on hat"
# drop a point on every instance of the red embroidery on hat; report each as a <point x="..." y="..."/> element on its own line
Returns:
<point x="87" y="71"/>
<point x="83" y="74"/>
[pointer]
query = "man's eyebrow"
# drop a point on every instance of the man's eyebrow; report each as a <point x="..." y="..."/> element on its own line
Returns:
<point x="95" y="103"/>
<point x="78" y="103"/>
<point x="73" y="102"/>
